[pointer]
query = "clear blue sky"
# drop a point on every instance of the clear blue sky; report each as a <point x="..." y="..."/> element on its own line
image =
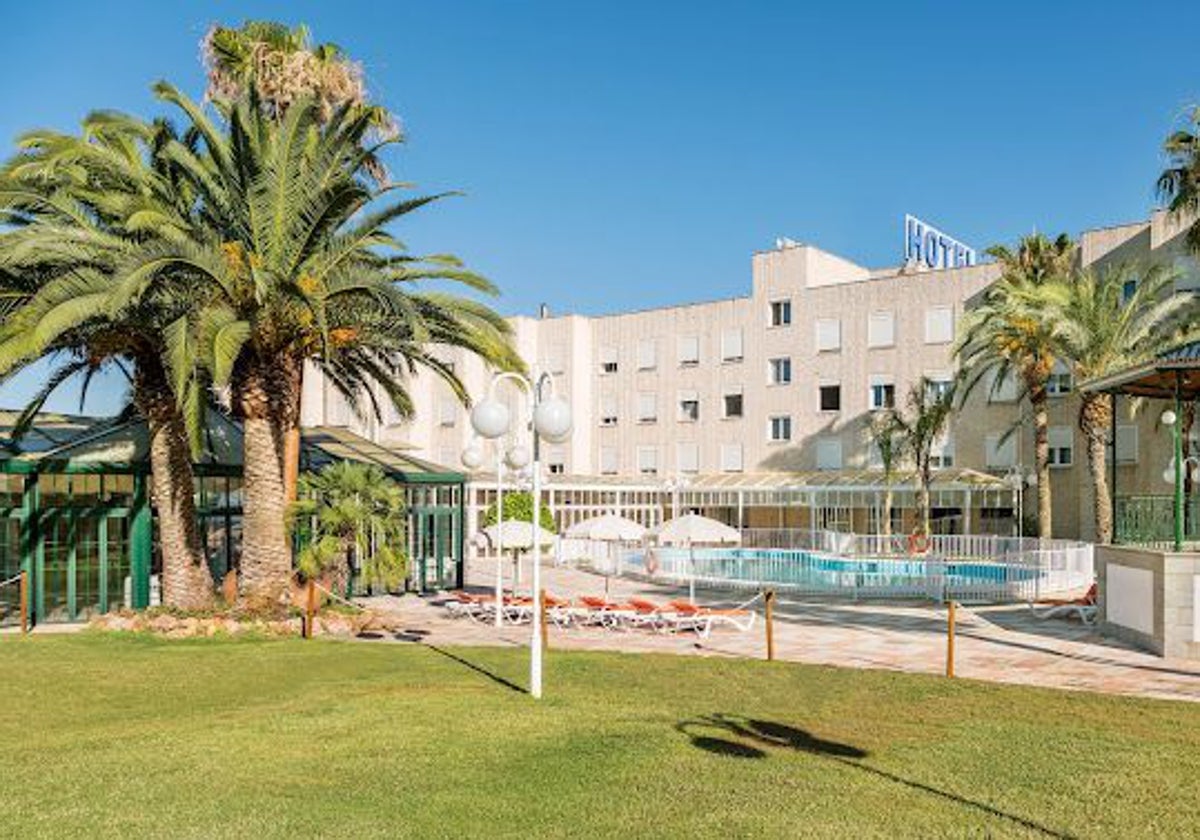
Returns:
<point x="620" y="154"/>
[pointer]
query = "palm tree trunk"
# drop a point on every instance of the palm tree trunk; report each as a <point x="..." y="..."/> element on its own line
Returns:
<point x="1095" y="418"/>
<point x="923" y="512"/>
<point x="1041" y="457"/>
<point x="886" y="525"/>
<point x="186" y="580"/>
<point x="267" y="408"/>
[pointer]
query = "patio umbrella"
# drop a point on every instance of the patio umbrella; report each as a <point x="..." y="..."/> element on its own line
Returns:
<point x="608" y="528"/>
<point x="516" y="535"/>
<point x="692" y="528"/>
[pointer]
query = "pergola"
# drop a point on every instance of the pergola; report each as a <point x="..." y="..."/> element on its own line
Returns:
<point x="1173" y="376"/>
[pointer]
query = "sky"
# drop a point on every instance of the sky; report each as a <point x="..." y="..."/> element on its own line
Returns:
<point x="617" y="155"/>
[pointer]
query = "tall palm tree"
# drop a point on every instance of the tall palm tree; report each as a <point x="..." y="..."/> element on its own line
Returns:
<point x="888" y="436"/>
<point x="292" y="262"/>
<point x="1110" y="319"/>
<point x="77" y="208"/>
<point x="929" y="407"/>
<point x="1179" y="183"/>
<point x="1011" y="334"/>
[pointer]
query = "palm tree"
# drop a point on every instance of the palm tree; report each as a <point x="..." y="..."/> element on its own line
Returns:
<point x="78" y="206"/>
<point x="888" y="436"/>
<point x="929" y="409"/>
<point x="292" y="262"/>
<point x="357" y="518"/>
<point x="1010" y="333"/>
<point x="1109" y="320"/>
<point x="1179" y="183"/>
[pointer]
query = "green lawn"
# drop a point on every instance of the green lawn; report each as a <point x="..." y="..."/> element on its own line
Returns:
<point x="130" y="736"/>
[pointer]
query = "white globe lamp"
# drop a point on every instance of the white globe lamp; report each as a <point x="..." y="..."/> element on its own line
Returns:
<point x="1168" y="418"/>
<point x="472" y="457"/>
<point x="490" y="418"/>
<point x="552" y="419"/>
<point x="517" y="457"/>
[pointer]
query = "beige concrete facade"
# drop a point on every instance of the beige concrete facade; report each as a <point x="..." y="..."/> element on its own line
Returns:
<point x="652" y="390"/>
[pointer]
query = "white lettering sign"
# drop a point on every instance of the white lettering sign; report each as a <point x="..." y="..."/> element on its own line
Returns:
<point x="927" y="246"/>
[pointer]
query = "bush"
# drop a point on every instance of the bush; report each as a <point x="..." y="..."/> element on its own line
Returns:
<point x="518" y="507"/>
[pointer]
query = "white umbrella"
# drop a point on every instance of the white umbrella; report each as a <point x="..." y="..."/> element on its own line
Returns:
<point x="690" y="529"/>
<point x="517" y="534"/>
<point x="608" y="528"/>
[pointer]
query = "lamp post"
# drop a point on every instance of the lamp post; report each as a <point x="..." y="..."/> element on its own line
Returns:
<point x="550" y="418"/>
<point x="472" y="458"/>
<point x="1173" y="474"/>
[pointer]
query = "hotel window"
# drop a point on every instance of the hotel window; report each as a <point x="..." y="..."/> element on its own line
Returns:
<point x="687" y="457"/>
<point x="941" y="453"/>
<point x="999" y="453"/>
<point x="881" y="329"/>
<point x="1061" y="441"/>
<point x="829" y="454"/>
<point x="829" y="335"/>
<point x="939" y="325"/>
<point x="938" y="385"/>
<point x="731" y="345"/>
<point x="447" y="412"/>
<point x="689" y="406"/>
<point x="1127" y="444"/>
<point x="608" y="359"/>
<point x="733" y="404"/>
<point x="556" y="460"/>
<point x="647" y="354"/>
<point x="647" y="404"/>
<point x="608" y="409"/>
<point x="1003" y="390"/>
<point x="831" y="397"/>
<point x="883" y="393"/>
<point x="647" y="460"/>
<point x="1059" y="382"/>
<point x="608" y="460"/>
<point x="781" y="313"/>
<point x="731" y="457"/>
<point x="689" y="351"/>
<point x="780" y="371"/>
<point x="779" y="429"/>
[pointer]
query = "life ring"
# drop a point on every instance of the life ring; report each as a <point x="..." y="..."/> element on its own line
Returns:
<point x="651" y="563"/>
<point x="918" y="543"/>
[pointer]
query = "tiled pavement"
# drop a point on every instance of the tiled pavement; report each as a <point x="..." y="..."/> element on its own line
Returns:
<point x="1004" y="644"/>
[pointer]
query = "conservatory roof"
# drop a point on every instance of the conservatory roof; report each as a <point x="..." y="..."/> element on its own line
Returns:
<point x="323" y="445"/>
<point x="1158" y="378"/>
<point x="49" y="430"/>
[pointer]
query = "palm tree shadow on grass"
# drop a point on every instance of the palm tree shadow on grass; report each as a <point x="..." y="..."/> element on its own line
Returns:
<point x="741" y="737"/>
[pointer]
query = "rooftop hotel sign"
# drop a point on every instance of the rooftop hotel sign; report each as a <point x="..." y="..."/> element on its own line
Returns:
<point x="927" y="246"/>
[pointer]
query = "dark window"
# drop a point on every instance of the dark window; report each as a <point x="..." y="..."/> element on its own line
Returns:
<point x="733" y="405"/>
<point x="831" y="397"/>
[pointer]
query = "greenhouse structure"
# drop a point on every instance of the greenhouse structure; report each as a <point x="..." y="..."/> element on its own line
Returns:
<point x="77" y="517"/>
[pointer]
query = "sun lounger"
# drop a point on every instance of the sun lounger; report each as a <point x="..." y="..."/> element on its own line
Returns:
<point x="1085" y="609"/>
<point x="704" y="619"/>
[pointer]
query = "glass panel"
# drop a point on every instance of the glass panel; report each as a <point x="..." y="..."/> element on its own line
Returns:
<point x="53" y="490"/>
<point x="56" y="544"/>
<point x="87" y="565"/>
<point x="120" y="587"/>
<point x="10" y="566"/>
<point x="85" y="491"/>
<point x="118" y="490"/>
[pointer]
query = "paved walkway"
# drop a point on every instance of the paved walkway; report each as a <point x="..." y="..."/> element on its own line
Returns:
<point x="1002" y="644"/>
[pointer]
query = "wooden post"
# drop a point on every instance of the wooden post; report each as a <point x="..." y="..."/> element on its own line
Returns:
<point x="310" y="608"/>
<point x="541" y="606"/>
<point x="769" y="600"/>
<point x="950" y="640"/>
<point x="24" y="590"/>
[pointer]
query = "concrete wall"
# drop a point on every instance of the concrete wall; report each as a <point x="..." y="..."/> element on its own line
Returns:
<point x="1150" y="598"/>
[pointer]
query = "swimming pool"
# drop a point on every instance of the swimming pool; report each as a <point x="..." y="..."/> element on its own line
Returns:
<point x="1014" y="577"/>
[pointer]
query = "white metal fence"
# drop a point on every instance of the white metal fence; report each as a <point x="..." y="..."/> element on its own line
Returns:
<point x="826" y="563"/>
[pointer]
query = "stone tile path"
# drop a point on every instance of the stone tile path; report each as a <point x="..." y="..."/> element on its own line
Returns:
<point x="1002" y="644"/>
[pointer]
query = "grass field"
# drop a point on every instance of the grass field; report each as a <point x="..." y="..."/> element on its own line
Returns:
<point x="130" y="736"/>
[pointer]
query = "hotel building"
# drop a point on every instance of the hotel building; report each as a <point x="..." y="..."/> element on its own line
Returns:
<point x="758" y="407"/>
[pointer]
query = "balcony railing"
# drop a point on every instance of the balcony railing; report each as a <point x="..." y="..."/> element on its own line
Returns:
<point x="1149" y="520"/>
